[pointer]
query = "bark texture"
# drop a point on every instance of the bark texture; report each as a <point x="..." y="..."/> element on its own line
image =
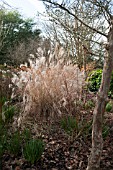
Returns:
<point x="97" y="141"/>
<point x="0" y="94"/>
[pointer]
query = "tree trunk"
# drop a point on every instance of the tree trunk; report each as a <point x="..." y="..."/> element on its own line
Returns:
<point x="97" y="141"/>
<point x="0" y="94"/>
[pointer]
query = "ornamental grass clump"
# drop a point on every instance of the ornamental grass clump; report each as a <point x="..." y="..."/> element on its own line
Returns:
<point x="69" y="124"/>
<point x="49" y="89"/>
<point x="33" y="150"/>
<point x="14" y="144"/>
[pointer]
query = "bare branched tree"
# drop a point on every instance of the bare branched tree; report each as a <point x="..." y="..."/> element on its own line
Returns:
<point x="78" y="40"/>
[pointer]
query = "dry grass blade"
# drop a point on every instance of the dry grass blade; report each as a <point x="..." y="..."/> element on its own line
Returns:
<point x="50" y="90"/>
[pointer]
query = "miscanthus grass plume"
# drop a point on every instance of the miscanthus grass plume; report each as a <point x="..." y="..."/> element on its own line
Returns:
<point x="49" y="90"/>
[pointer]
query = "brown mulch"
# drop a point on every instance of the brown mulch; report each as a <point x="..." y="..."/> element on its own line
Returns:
<point x="62" y="153"/>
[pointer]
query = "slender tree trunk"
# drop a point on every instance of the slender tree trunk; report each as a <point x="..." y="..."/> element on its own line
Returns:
<point x="84" y="64"/>
<point x="0" y="94"/>
<point x="97" y="141"/>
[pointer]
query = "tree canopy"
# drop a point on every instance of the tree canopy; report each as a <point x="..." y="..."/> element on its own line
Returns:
<point x="14" y="29"/>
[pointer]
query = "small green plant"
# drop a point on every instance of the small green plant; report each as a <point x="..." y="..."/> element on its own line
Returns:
<point x="3" y="135"/>
<point x="69" y="124"/>
<point x="9" y="113"/>
<point x="3" y="99"/>
<point x="109" y="107"/>
<point x="14" y="145"/>
<point x="33" y="150"/>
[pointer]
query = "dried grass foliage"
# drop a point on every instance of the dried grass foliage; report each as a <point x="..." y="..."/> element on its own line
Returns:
<point x="50" y="90"/>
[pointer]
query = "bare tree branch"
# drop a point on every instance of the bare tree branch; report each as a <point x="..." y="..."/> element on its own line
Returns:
<point x="69" y="12"/>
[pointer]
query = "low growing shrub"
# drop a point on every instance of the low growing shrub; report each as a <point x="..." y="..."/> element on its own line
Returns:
<point x="33" y="150"/>
<point x="94" y="81"/>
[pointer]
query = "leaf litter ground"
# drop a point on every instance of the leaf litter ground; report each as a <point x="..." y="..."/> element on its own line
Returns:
<point x="62" y="152"/>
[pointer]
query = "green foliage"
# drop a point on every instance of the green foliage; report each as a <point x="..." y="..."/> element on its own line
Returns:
<point x="14" y="29"/>
<point x="8" y="112"/>
<point x="69" y="124"/>
<point x="94" y="81"/>
<point x="33" y="150"/>
<point x="109" y="107"/>
<point x="14" y="143"/>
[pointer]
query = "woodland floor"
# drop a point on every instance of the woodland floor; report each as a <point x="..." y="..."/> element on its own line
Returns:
<point x="63" y="152"/>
